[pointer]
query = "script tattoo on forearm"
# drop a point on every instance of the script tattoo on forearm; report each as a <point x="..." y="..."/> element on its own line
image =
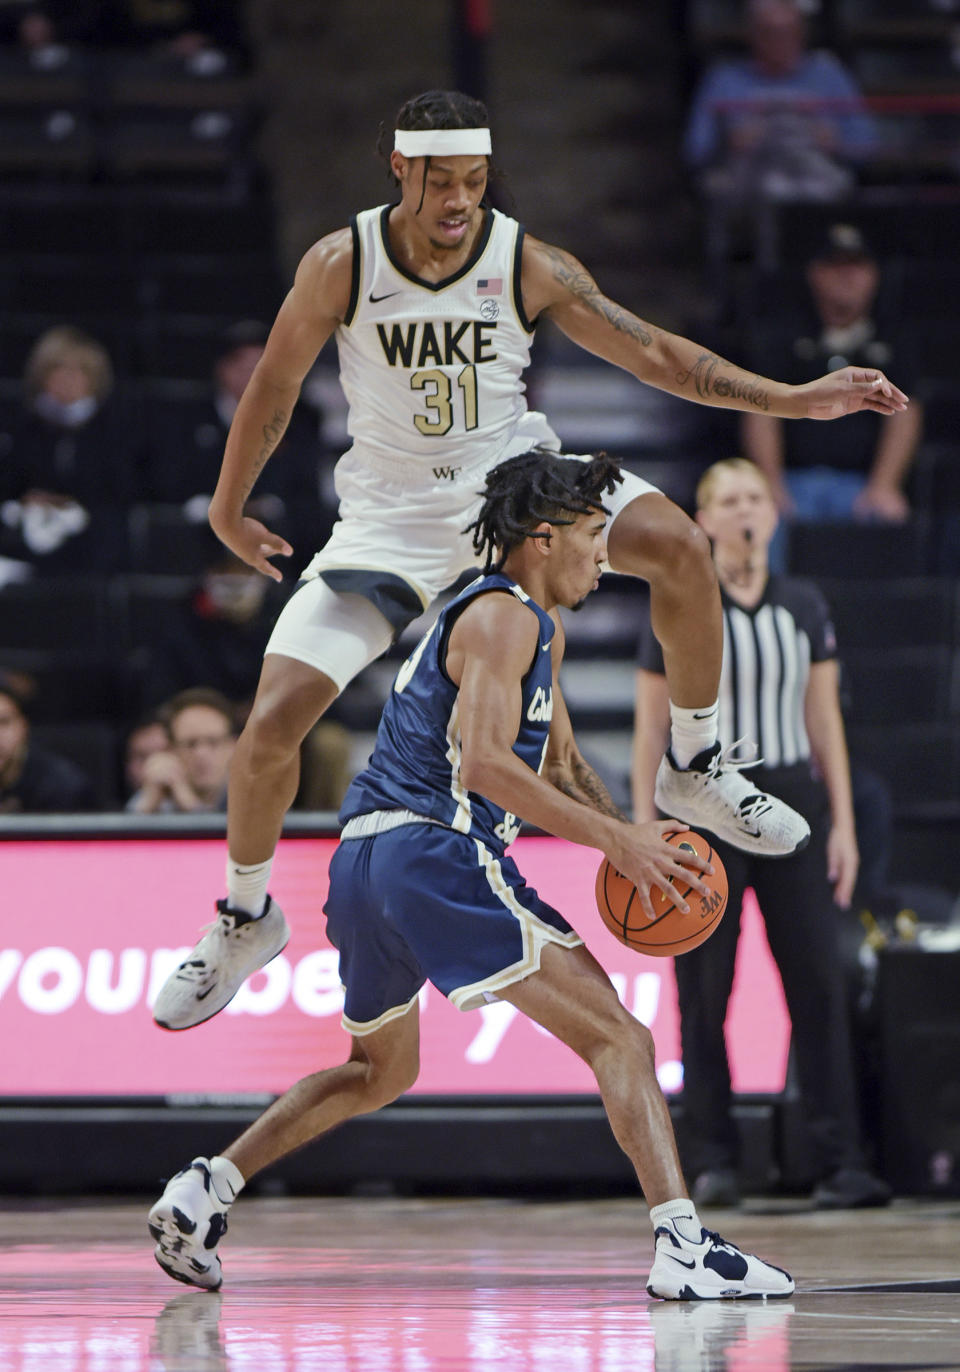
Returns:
<point x="568" y="271"/>
<point x="582" y="783"/>
<point x="708" y="383"/>
<point x="273" y="431"/>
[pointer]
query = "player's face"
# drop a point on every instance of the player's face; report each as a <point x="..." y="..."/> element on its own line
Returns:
<point x="581" y="550"/>
<point x="451" y="197"/>
<point x="740" y="513"/>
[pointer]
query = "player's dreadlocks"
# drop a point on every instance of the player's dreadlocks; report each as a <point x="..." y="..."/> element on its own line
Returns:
<point x="435" y="110"/>
<point x="537" y="487"/>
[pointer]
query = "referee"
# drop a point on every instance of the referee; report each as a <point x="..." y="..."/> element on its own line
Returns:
<point x="778" y="688"/>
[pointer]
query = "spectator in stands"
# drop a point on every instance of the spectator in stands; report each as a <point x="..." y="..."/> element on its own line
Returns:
<point x="784" y="123"/>
<point x="189" y="439"/>
<point x="70" y="467"/>
<point x="779" y="683"/>
<point x="148" y="736"/>
<point x="813" y="475"/>
<point x="190" y="775"/>
<point x="186" y="29"/>
<point x="215" y="632"/>
<point x="33" y="780"/>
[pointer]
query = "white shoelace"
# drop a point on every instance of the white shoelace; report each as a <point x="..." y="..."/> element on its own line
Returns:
<point x="752" y="803"/>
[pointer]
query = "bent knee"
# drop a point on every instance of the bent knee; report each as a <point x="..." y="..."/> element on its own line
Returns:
<point x="283" y="713"/>
<point x="270" y="736"/>
<point x="661" y="541"/>
<point x="387" y="1082"/>
<point x="626" y="1037"/>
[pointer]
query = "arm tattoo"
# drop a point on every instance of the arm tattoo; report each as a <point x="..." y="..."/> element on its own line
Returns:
<point x="707" y="383"/>
<point x="273" y="431"/>
<point x="568" y="271"/>
<point x="582" y="783"/>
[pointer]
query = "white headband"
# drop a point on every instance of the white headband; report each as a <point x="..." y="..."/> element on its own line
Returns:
<point x="442" y="142"/>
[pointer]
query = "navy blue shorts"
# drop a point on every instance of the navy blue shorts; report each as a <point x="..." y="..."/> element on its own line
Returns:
<point x="421" y="902"/>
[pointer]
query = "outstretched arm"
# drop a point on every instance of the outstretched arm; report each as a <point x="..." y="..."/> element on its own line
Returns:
<point x="555" y="284"/>
<point x="316" y="303"/>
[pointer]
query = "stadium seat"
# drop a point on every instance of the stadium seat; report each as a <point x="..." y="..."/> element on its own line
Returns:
<point x="94" y="746"/>
<point x="921" y="763"/>
<point x="63" y="613"/>
<point x="163" y="541"/>
<point x="859" y="550"/>
<point x="905" y="613"/>
<point x="898" y="686"/>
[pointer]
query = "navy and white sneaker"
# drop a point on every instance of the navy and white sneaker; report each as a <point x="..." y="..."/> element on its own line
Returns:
<point x="710" y="1270"/>
<point x="711" y="794"/>
<point x="188" y="1221"/>
<point x="232" y="948"/>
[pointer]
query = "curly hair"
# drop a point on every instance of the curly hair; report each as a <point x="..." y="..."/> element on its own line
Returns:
<point x="539" y="486"/>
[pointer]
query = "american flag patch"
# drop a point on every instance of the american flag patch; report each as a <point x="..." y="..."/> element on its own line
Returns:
<point x="490" y="285"/>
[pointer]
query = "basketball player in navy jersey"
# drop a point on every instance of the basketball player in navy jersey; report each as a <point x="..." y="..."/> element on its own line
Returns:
<point x="433" y="302"/>
<point x="475" y="733"/>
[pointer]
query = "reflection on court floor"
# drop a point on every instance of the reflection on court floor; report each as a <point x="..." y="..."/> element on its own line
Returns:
<point x="321" y="1285"/>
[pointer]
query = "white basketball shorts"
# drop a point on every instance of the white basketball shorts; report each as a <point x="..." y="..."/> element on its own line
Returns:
<point x="395" y="546"/>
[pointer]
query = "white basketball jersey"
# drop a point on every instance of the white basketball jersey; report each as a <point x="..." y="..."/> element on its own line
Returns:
<point x="432" y="371"/>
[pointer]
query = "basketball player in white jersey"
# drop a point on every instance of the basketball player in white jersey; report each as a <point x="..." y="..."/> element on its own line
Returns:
<point x="433" y="303"/>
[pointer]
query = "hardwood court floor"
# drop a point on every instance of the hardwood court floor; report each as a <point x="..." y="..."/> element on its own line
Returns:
<point x="377" y="1285"/>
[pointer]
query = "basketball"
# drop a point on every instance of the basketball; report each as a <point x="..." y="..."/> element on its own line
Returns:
<point x="670" y="932"/>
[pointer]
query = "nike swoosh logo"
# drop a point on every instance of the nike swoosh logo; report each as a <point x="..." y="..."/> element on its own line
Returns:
<point x="545" y="647"/>
<point x="375" y="299"/>
<point x="692" y="1264"/>
<point x="707" y="714"/>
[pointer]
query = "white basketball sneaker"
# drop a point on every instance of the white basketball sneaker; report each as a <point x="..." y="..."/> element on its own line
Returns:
<point x="232" y="948"/>
<point x="710" y="1270"/>
<point x="188" y="1221"/>
<point x="711" y="794"/>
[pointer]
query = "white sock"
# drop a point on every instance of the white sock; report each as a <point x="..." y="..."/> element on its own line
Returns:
<point x="247" y="886"/>
<point x="227" y="1179"/>
<point x="692" y="731"/>
<point x="684" y="1215"/>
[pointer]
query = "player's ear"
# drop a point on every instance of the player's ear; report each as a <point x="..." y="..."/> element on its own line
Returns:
<point x="398" y="164"/>
<point x="542" y="540"/>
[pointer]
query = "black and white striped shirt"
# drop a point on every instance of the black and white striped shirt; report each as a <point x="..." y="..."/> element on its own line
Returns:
<point x="767" y="652"/>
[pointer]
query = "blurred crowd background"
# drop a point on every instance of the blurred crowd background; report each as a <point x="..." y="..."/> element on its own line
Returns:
<point x="780" y="181"/>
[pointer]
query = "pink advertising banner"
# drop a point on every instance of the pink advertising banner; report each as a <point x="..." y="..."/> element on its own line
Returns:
<point x="99" y="923"/>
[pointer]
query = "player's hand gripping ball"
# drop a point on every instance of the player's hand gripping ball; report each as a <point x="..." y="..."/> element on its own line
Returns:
<point x="671" y="931"/>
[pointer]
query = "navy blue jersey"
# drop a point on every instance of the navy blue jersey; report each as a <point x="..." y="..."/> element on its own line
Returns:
<point x="415" y="764"/>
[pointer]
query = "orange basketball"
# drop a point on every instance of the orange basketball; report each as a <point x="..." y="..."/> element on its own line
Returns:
<point x="671" y="931"/>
